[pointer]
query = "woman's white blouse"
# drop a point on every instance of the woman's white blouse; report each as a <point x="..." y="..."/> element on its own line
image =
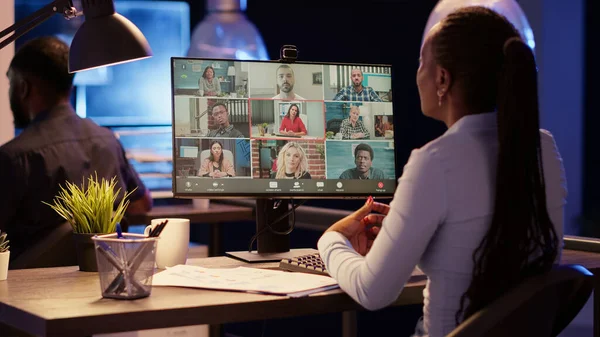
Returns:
<point x="440" y="212"/>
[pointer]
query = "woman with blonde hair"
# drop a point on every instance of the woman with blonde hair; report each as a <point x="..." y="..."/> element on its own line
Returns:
<point x="292" y="163"/>
<point x="352" y="127"/>
<point x="216" y="166"/>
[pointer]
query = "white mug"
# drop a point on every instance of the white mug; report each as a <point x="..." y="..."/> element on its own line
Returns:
<point x="173" y="243"/>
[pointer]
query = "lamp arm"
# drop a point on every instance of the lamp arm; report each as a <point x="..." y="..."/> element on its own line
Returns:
<point x="31" y="21"/>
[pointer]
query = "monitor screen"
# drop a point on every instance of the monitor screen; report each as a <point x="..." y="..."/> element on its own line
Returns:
<point x="273" y="129"/>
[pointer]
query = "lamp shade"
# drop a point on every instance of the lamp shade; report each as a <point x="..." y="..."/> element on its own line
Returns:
<point x="231" y="71"/>
<point x="226" y="33"/>
<point x="509" y="8"/>
<point x="105" y="38"/>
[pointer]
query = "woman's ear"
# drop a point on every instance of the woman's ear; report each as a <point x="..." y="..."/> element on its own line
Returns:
<point x="443" y="79"/>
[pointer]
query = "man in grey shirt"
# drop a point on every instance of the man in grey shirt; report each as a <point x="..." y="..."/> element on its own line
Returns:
<point x="363" y="159"/>
<point x="220" y="114"/>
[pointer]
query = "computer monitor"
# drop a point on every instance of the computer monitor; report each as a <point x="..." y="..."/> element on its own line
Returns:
<point x="279" y="131"/>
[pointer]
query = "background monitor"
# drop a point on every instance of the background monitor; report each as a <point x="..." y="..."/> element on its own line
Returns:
<point x="299" y="130"/>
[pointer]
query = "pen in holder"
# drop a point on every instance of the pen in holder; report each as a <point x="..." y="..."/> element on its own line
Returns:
<point x="125" y="265"/>
<point x="155" y="232"/>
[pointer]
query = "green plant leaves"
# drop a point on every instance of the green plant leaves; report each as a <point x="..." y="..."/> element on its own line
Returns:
<point x="4" y="243"/>
<point x="91" y="208"/>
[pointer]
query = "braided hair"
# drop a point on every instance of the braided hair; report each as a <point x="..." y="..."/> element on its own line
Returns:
<point x="496" y="70"/>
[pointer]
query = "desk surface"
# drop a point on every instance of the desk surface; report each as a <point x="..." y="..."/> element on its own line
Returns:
<point x="66" y="302"/>
<point x="215" y="213"/>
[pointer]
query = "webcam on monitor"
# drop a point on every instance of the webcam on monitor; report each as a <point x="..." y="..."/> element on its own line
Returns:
<point x="288" y="53"/>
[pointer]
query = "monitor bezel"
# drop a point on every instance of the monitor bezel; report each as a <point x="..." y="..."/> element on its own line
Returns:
<point x="282" y="195"/>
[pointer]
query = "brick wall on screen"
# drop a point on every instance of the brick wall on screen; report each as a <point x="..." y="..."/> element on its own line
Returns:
<point x="316" y="164"/>
<point x="256" y="164"/>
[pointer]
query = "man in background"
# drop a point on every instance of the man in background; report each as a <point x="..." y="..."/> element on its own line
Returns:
<point x="286" y="81"/>
<point x="54" y="147"/>
<point x="220" y="114"/>
<point x="363" y="159"/>
<point x="356" y="91"/>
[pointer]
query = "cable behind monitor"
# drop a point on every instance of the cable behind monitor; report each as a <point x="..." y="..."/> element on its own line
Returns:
<point x="269" y="225"/>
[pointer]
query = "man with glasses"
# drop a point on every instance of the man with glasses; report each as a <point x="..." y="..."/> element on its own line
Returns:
<point x="220" y="116"/>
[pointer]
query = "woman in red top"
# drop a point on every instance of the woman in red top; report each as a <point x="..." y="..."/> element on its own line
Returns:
<point x="292" y="124"/>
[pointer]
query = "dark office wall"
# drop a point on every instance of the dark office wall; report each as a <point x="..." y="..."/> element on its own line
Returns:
<point x="591" y="166"/>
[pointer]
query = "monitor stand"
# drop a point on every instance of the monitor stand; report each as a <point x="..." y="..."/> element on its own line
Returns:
<point x="271" y="247"/>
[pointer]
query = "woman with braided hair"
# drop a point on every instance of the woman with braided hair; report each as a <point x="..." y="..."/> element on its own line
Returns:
<point x="478" y="209"/>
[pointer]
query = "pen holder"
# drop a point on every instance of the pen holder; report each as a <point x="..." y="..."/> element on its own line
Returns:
<point x="125" y="265"/>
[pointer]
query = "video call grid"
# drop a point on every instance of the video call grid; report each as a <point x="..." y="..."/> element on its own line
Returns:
<point x="321" y="139"/>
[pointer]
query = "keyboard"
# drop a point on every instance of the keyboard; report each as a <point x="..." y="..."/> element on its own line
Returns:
<point x="309" y="263"/>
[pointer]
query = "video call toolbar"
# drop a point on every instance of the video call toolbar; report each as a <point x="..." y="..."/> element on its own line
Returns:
<point x="195" y="185"/>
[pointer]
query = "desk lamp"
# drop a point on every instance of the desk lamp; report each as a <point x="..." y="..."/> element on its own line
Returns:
<point x="105" y="38"/>
<point x="509" y="8"/>
<point x="231" y="75"/>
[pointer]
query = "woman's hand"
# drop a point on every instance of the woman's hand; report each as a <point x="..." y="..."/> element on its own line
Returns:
<point x="361" y="227"/>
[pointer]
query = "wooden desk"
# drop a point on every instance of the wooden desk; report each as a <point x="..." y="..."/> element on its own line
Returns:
<point x="66" y="302"/>
<point x="591" y="261"/>
<point x="215" y="215"/>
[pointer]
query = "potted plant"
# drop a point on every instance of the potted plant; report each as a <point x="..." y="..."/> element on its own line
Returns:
<point x="90" y="209"/>
<point x="4" y="256"/>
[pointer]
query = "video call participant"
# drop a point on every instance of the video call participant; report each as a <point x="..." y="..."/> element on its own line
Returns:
<point x="292" y="163"/>
<point x="216" y="165"/>
<point x="383" y="124"/>
<point x="292" y="124"/>
<point x="356" y="91"/>
<point x="352" y="127"/>
<point x="363" y="159"/>
<point x="379" y="131"/>
<point x="54" y="147"/>
<point x="480" y="208"/>
<point x="220" y="115"/>
<point x="209" y="85"/>
<point x="285" y="81"/>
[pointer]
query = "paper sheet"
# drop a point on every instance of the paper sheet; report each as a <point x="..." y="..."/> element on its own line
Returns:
<point x="244" y="279"/>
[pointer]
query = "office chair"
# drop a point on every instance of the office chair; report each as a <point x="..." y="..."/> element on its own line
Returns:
<point x="55" y="250"/>
<point x="541" y="306"/>
<point x="334" y="125"/>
